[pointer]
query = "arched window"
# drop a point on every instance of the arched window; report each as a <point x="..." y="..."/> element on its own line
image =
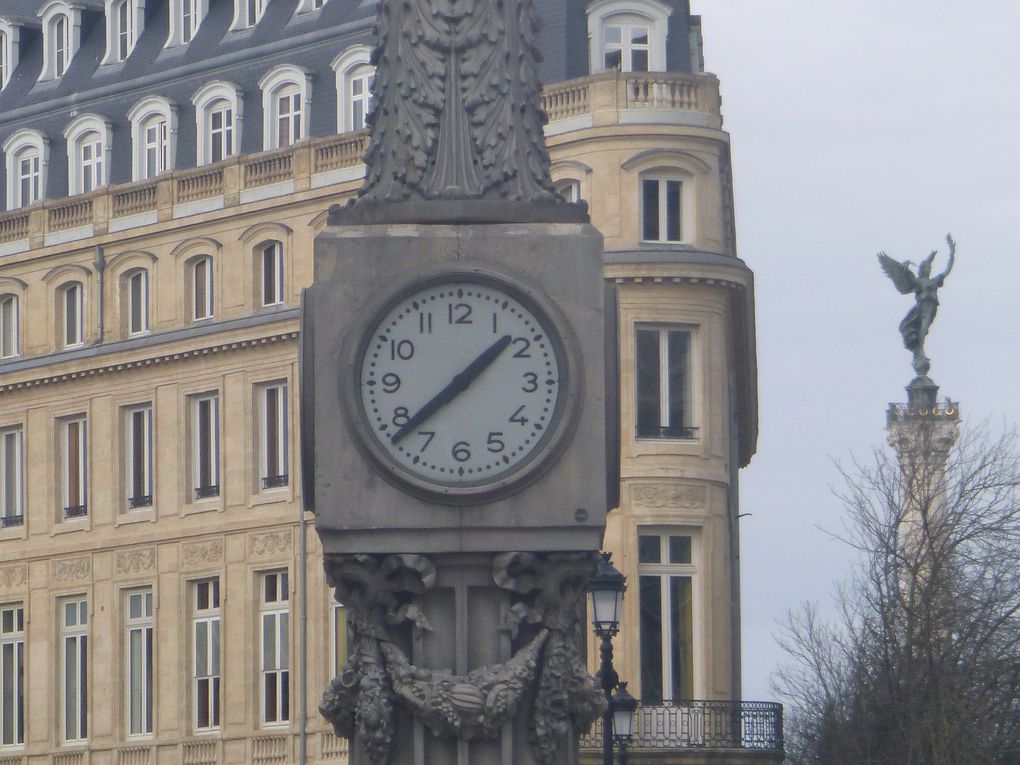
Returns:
<point x="354" y="75"/>
<point x="286" y="93"/>
<point x="88" y="147"/>
<point x="61" y="34"/>
<point x="248" y="13"/>
<point x="125" y="20"/>
<point x="185" y="18"/>
<point x="9" y="326"/>
<point x="27" y="158"/>
<point x="71" y="314"/>
<point x="153" y="137"/>
<point x="629" y="35"/>
<point x="200" y="279"/>
<point x="218" y="115"/>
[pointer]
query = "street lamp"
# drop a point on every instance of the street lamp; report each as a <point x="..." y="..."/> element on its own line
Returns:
<point x="624" y="706"/>
<point x="605" y="596"/>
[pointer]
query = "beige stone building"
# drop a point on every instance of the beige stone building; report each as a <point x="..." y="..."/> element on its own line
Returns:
<point x="167" y="165"/>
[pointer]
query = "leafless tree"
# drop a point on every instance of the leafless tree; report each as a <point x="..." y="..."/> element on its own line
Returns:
<point x="922" y="665"/>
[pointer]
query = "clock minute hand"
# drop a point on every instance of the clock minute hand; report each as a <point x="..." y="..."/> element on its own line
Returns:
<point x="456" y="386"/>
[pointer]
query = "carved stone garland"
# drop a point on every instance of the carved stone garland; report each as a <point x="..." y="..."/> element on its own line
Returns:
<point x="380" y="593"/>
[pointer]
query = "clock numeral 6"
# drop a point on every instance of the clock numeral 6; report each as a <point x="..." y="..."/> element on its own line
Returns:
<point x="495" y="443"/>
<point x="400" y="416"/>
<point x="461" y="451"/>
<point x="531" y="384"/>
<point x="390" y="382"/>
<point x="402" y="349"/>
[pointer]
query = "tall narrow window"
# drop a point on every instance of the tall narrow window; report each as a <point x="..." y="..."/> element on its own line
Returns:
<point x="272" y="273"/>
<point x="206" y="648"/>
<point x="189" y="19"/>
<point x="138" y="652"/>
<point x="5" y="60"/>
<point x="221" y="131"/>
<point x="275" y="644"/>
<point x="12" y="675"/>
<point x="273" y="434"/>
<point x="337" y="637"/>
<point x="664" y="383"/>
<point x="360" y="83"/>
<point x="90" y="167"/>
<point x="666" y="607"/>
<point x="72" y="310"/>
<point x="288" y="118"/>
<point x="569" y="189"/>
<point x="125" y="29"/>
<point x="61" y="45"/>
<point x="8" y="326"/>
<point x="205" y="416"/>
<point x="156" y="138"/>
<point x="29" y="178"/>
<point x="138" y="301"/>
<point x="202" y="288"/>
<point x="74" y="668"/>
<point x="661" y="210"/>
<point x="74" y="467"/>
<point x="253" y="10"/>
<point x="138" y="456"/>
<point x="11" y="478"/>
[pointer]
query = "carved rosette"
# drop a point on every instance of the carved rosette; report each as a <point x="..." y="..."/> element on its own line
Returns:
<point x="382" y="593"/>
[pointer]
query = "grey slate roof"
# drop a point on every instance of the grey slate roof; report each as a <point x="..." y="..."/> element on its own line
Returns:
<point x="311" y="40"/>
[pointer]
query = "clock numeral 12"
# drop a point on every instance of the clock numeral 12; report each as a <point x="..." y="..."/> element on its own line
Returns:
<point x="459" y="313"/>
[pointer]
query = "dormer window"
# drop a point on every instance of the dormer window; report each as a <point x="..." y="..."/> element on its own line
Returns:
<point x="153" y="137"/>
<point x="27" y="156"/>
<point x="354" y="75"/>
<point x="185" y="18"/>
<point x="88" y="143"/>
<point x="218" y="113"/>
<point x="10" y="44"/>
<point x="286" y="91"/>
<point x="628" y="35"/>
<point x="125" y="20"/>
<point x="61" y="24"/>
<point x="248" y="13"/>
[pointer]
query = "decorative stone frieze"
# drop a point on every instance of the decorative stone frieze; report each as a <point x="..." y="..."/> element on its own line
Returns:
<point x="271" y="543"/>
<point x="13" y="577"/>
<point x="135" y="561"/>
<point x="202" y="553"/>
<point x="71" y="569"/>
<point x="668" y="495"/>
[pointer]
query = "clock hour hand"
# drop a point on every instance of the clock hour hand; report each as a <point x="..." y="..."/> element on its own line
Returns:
<point x="456" y="386"/>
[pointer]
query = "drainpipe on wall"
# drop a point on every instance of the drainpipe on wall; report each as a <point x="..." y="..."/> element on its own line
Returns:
<point x="100" y="264"/>
<point x="302" y="637"/>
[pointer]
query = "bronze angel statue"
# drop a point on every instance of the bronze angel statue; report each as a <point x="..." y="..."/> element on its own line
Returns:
<point x="915" y="325"/>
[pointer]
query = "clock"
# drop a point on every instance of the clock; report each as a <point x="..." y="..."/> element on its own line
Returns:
<point x="462" y="385"/>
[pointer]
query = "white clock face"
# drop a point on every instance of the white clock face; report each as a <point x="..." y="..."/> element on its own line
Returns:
<point x="460" y="383"/>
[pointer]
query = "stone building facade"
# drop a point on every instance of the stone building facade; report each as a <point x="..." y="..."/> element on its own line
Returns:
<point x="166" y="166"/>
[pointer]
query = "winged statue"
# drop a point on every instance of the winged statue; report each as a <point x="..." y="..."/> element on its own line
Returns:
<point x="915" y="325"/>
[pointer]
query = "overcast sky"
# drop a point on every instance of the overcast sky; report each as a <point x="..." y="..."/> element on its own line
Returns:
<point x="860" y="127"/>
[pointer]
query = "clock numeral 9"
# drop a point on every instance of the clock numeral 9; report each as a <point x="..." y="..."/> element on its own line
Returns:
<point x="495" y="443"/>
<point x="461" y="451"/>
<point x="390" y="382"/>
<point x="531" y="384"/>
<point x="403" y="350"/>
<point x="400" y="416"/>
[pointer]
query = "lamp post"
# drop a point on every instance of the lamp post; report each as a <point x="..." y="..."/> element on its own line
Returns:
<point x="624" y="706"/>
<point x="605" y="597"/>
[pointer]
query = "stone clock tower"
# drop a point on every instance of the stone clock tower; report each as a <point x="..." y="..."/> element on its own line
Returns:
<point x="454" y="407"/>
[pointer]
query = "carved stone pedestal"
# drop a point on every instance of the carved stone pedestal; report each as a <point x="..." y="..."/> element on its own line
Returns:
<point x="462" y="659"/>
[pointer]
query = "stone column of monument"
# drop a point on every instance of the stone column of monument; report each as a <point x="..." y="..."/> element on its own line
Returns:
<point x="924" y="429"/>
<point x="454" y="407"/>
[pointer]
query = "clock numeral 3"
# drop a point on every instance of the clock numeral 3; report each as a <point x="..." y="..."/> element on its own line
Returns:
<point x="529" y="387"/>
<point x="461" y="451"/>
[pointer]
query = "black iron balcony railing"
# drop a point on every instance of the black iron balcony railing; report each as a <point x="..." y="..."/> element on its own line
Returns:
<point x="212" y="490"/>
<point x="8" y="521"/>
<point x="76" y="511"/>
<point x="274" y="481"/>
<point x="671" y="725"/>
<point x="145" y="500"/>
<point x="666" y="431"/>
